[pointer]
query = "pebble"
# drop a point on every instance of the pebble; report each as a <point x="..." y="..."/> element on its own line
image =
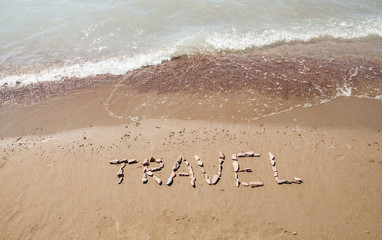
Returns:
<point x="234" y="157"/>
<point x="150" y="173"/>
<point x="120" y="180"/>
<point x="235" y="166"/>
<point x="176" y="166"/>
<point x="144" y="180"/>
<point x="200" y="163"/>
<point x="221" y="161"/>
<point x="294" y="233"/>
<point x="256" y="184"/>
<point x="120" y="173"/>
<point x="183" y="174"/>
<point x="245" y="184"/>
<point x="221" y="155"/>
<point x="154" y="169"/>
<point x="208" y="181"/>
<point x="187" y="163"/>
<point x="179" y="159"/>
<point x="159" y="160"/>
<point x="215" y="179"/>
<point x="273" y="162"/>
<point x="169" y="181"/>
<point x="249" y="154"/>
<point x="240" y="154"/>
<point x="298" y="179"/>
<point x="161" y="165"/>
<point x="123" y="161"/>
<point x="152" y="159"/>
<point x="131" y="161"/>
<point x="158" y="180"/>
<point x="219" y="174"/>
<point x="237" y="183"/>
<point x="236" y="175"/>
<point x="173" y="174"/>
<point x="116" y="161"/>
<point x="202" y="170"/>
<point x="197" y="158"/>
<point x="274" y="168"/>
<point x="145" y="162"/>
<point x="296" y="182"/>
<point x="276" y="174"/>
<point x="271" y="157"/>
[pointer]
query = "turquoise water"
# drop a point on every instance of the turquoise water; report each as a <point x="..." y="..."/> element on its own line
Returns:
<point x="43" y="40"/>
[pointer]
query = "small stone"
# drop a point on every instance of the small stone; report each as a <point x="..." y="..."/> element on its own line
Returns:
<point x="176" y="166"/>
<point x="273" y="162"/>
<point x="169" y="181"/>
<point x="144" y="180"/>
<point x="237" y="183"/>
<point x="220" y="174"/>
<point x="236" y="175"/>
<point x="220" y="168"/>
<point x="244" y="184"/>
<point x="116" y="161"/>
<point x="271" y="157"/>
<point x="257" y="155"/>
<point x="215" y="179"/>
<point x="150" y="173"/>
<point x="161" y="165"/>
<point x="144" y="169"/>
<point x="221" y="161"/>
<point x="288" y="181"/>
<point x="208" y="181"/>
<point x="249" y="154"/>
<point x="202" y="170"/>
<point x="123" y="161"/>
<point x="187" y="163"/>
<point x="197" y="158"/>
<point x="234" y="157"/>
<point x="158" y="180"/>
<point x="159" y="160"/>
<point x="145" y="162"/>
<point x="298" y="179"/>
<point x="240" y="154"/>
<point x="131" y="161"/>
<point x="179" y="159"/>
<point x="294" y="233"/>
<point x="154" y="169"/>
<point x="200" y="163"/>
<point x="120" y="173"/>
<point x="120" y="180"/>
<point x="173" y="174"/>
<point x="192" y="182"/>
<point x="152" y="159"/>
<point x="183" y="174"/>
<point x="296" y="182"/>
<point x="221" y="155"/>
<point x="256" y="184"/>
<point x="274" y="168"/>
<point x="275" y="174"/>
<point x="190" y="170"/>
<point x="235" y="166"/>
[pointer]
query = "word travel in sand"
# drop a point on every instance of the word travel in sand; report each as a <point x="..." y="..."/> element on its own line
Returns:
<point x="149" y="171"/>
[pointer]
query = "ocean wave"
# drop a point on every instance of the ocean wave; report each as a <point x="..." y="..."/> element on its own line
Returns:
<point x="203" y="42"/>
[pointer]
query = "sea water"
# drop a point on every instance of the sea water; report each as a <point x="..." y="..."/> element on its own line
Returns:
<point x="48" y="40"/>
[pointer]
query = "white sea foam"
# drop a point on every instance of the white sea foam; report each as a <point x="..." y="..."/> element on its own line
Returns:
<point x="199" y="42"/>
<point x="112" y="66"/>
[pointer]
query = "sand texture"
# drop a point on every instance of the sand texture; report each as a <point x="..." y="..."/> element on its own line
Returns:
<point x="57" y="140"/>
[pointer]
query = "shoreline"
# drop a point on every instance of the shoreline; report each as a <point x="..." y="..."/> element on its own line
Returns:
<point x="57" y="181"/>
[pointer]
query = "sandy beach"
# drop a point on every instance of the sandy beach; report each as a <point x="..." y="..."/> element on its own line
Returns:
<point x="57" y="181"/>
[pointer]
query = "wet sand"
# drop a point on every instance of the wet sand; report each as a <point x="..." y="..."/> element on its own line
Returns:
<point x="57" y="182"/>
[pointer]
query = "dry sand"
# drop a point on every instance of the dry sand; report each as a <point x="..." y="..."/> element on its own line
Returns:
<point x="56" y="182"/>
